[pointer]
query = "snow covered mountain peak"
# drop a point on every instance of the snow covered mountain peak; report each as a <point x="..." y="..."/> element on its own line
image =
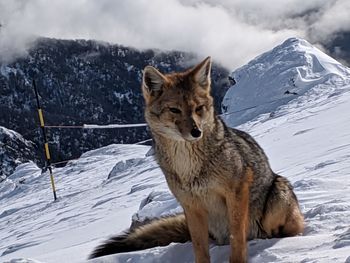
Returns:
<point x="274" y="78"/>
<point x="295" y="42"/>
<point x="314" y="58"/>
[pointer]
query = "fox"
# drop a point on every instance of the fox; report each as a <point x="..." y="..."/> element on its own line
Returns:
<point x="220" y="175"/>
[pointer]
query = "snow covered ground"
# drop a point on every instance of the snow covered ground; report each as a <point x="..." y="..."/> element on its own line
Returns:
<point x="307" y="140"/>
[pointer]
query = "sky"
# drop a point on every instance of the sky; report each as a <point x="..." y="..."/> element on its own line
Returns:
<point x="231" y="31"/>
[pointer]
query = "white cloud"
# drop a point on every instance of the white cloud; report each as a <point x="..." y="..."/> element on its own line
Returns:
<point x="232" y="31"/>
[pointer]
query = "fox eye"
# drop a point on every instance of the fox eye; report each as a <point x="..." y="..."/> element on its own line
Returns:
<point x="175" y="110"/>
<point x="199" y="108"/>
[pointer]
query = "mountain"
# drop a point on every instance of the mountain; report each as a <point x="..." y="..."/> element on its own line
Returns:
<point x="85" y="82"/>
<point x="14" y="149"/>
<point x="278" y="76"/>
<point x="107" y="189"/>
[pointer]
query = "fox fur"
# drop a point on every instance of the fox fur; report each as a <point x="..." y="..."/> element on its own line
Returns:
<point x="220" y="175"/>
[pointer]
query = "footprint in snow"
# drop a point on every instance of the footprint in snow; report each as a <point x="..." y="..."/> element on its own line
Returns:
<point x="325" y="209"/>
<point x="342" y="240"/>
<point x="16" y="247"/>
<point x="302" y="132"/>
<point x="305" y="184"/>
<point x="22" y="260"/>
<point x="124" y="166"/>
<point x="321" y="165"/>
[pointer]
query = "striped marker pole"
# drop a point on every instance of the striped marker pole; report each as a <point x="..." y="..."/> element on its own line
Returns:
<point x="46" y="144"/>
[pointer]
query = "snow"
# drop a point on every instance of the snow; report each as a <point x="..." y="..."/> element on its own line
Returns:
<point x="33" y="225"/>
<point x="113" y="126"/>
<point x="307" y="139"/>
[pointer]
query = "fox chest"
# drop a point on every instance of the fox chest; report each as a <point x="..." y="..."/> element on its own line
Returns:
<point x="185" y="166"/>
<point x="183" y="171"/>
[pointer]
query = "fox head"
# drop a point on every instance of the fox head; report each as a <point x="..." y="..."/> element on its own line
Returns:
<point x="179" y="105"/>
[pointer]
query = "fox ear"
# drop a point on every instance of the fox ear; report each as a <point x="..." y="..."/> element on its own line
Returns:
<point x="201" y="73"/>
<point x="152" y="82"/>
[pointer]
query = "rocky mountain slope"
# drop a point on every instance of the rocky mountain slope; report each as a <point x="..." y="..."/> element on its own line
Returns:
<point x="85" y="82"/>
<point x="14" y="150"/>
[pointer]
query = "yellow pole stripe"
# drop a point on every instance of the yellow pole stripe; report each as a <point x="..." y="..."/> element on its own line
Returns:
<point x="52" y="182"/>
<point x="47" y="151"/>
<point x="41" y="118"/>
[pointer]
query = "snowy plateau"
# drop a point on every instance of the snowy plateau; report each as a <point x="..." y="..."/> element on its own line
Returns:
<point x="294" y="100"/>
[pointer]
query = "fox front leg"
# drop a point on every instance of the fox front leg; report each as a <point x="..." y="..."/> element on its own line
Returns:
<point x="237" y="201"/>
<point x="197" y="221"/>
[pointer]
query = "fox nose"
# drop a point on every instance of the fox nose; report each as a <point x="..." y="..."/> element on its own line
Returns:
<point x="196" y="133"/>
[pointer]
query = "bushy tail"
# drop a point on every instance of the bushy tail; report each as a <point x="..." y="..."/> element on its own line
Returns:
<point x="159" y="232"/>
<point x="282" y="215"/>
